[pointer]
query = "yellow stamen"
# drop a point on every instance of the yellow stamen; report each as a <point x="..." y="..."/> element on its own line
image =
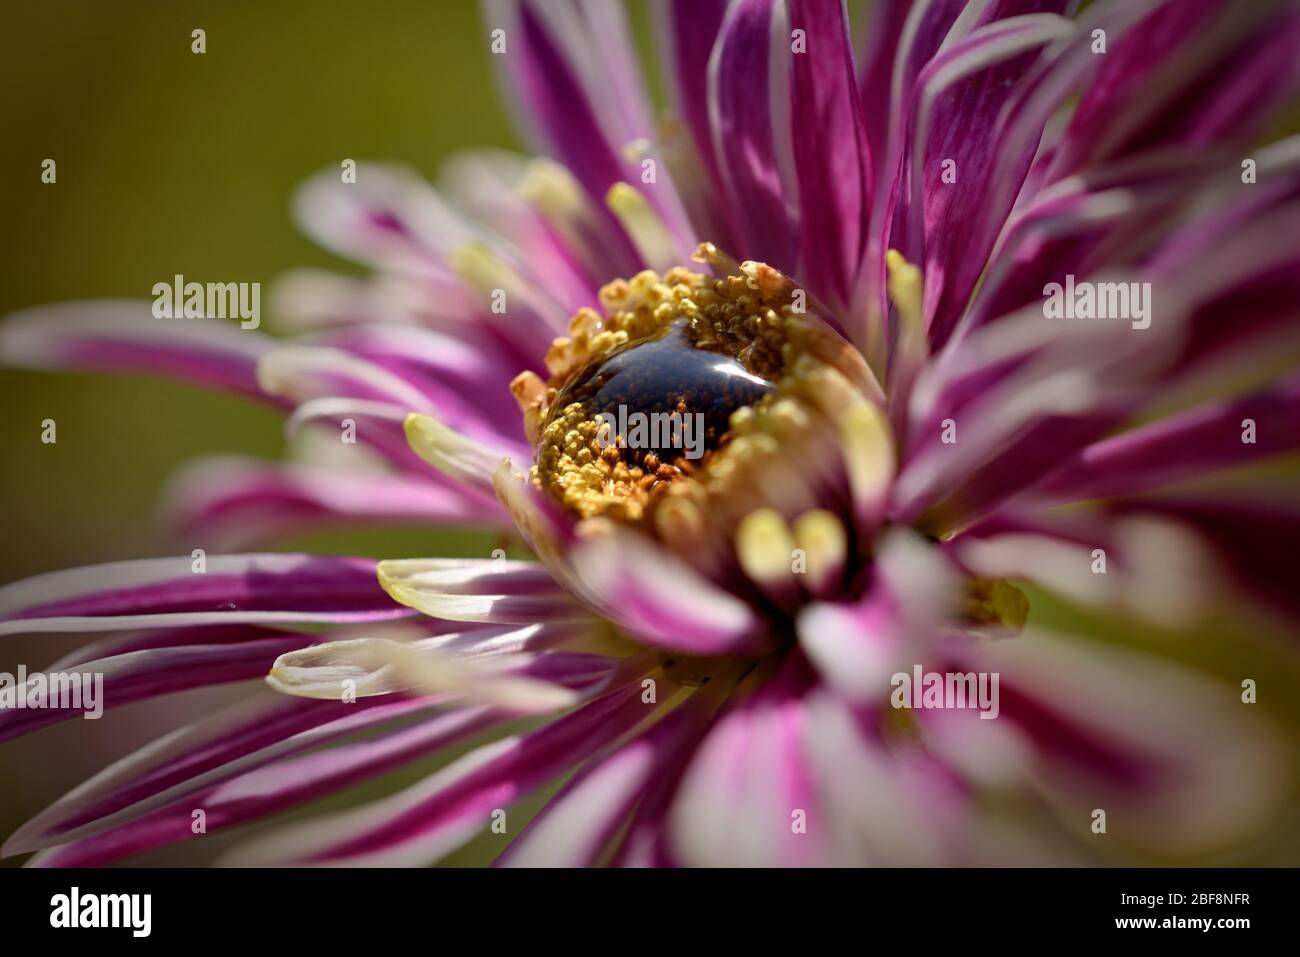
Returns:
<point x="648" y="232"/>
<point x="481" y="268"/>
<point x="551" y="188"/>
<point x="765" y="547"/>
<point x="868" y="454"/>
<point x="996" y="602"/>
<point x="821" y="536"/>
<point x="905" y="286"/>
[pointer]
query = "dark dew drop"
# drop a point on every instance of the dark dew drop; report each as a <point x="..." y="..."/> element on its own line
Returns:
<point x="666" y="374"/>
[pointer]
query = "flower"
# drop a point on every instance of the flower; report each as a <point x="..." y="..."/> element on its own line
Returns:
<point x="817" y="638"/>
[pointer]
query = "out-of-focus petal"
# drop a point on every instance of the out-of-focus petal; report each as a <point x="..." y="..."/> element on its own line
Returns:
<point x="1253" y="532"/>
<point x="1194" y="443"/>
<point x="120" y="335"/>
<point x="749" y="798"/>
<point x="1188" y="74"/>
<point x="576" y="824"/>
<point x="1179" y="766"/>
<point x="663" y="601"/>
<point x="233" y="502"/>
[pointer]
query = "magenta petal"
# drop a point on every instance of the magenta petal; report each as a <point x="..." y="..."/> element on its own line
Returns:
<point x="830" y="150"/>
<point x="1182" y="446"/>
<point x="663" y="601"/>
<point x="1080" y="230"/>
<point x="1254" y="535"/>
<point x="749" y="798"/>
<point x="560" y="112"/>
<point x="267" y="790"/>
<point x="1147" y="91"/>
<point x="160" y="592"/>
<point x="215" y="748"/>
<point x="424" y="822"/>
<point x="390" y="217"/>
<point x="690" y="29"/>
<point x="118" y="335"/>
<point x="958" y="132"/>
<point x="235" y="502"/>
<point x="136" y="675"/>
<point x="468" y="385"/>
<point x="574" y="826"/>
<point x="122" y="643"/>
<point x="881" y="33"/>
<point x="748" y="123"/>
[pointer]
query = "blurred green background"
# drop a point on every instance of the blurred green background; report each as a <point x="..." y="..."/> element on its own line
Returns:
<point x="172" y="162"/>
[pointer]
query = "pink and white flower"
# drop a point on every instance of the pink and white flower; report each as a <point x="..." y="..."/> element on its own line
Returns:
<point x="705" y="652"/>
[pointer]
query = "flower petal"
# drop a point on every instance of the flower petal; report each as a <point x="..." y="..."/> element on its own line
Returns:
<point x="965" y="88"/>
<point x="121" y="335"/>
<point x="748" y="799"/>
<point x="216" y="748"/>
<point x="517" y="682"/>
<point x="161" y="592"/>
<point x="233" y="502"/>
<point x="831" y="153"/>
<point x="1207" y="73"/>
<point x="569" y="66"/>
<point x="280" y="786"/>
<point x="661" y="600"/>
<point x="136" y="675"/>
<point x="489" y="590"/>
<point x="421" y="824"/>
<point x="749" y="111"/>
<point x="574" y="826"/>
<point x="1187" y="445"/>
<point x="464" y="459"/>
<point x="1179" y="765"/>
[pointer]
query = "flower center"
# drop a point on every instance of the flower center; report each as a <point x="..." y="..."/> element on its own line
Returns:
<point x="648" y="394"/>
<point x="657" y="401"/>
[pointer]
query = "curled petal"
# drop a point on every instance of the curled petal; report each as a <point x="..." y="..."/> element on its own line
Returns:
<point x="663" y="601"/>
<point x="516" y="682"/>
<point x="489" y="590"/>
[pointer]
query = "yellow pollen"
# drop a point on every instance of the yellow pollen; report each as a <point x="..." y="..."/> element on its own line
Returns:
<point x="638" y="217"/>
<point x="765" y="546"/>
<point x="781" y="379"/>
<point x="905" y="286"/>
